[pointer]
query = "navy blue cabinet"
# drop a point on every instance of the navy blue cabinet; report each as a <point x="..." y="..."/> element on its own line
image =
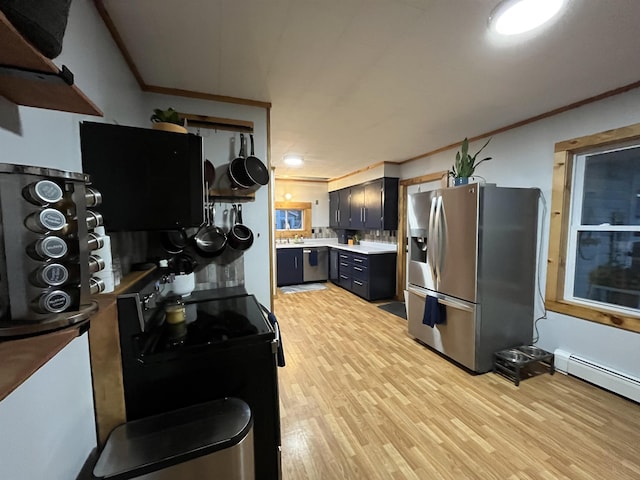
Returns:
<point x="340" y="208"/>
<point x="371" y="277"/>
<point x="289" y="266"/>
<point x="369" y="206"/>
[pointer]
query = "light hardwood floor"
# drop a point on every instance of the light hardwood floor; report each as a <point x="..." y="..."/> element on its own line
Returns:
<point x="360" y="399"/>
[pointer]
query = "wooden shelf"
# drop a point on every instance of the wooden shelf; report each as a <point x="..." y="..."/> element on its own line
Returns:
<point x="217" y="123"/>
<point x="30" y="79"/>
<point x="21" y="358"/>
<point x="233" y="195"/>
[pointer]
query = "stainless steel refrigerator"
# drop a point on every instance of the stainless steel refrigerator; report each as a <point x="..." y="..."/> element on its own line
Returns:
<point x="472" y="249"/>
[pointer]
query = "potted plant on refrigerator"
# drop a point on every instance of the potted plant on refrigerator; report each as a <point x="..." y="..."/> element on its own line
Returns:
<point x="465" y="163"/>
<point x="168" y="120"/>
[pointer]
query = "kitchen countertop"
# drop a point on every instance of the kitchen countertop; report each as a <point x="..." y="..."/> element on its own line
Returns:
<point x="366" y="248"/>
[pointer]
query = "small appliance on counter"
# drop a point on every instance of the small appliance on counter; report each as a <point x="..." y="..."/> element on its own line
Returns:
<point x="45" y="261"/>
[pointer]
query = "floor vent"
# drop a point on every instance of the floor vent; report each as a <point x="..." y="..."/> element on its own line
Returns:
<point x="600" y="375"/>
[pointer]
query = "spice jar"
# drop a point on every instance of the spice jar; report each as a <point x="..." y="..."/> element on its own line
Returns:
<point x="175" y="312"/>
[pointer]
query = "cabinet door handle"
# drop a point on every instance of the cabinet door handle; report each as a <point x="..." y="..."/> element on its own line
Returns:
<point x="357" y="282"/>
<point x="295" y="262"/>
<point x="364" y="214"/>
<point x="359" y="260"/>
<point x="345" y="277"/>
<point x="358" y="269"/>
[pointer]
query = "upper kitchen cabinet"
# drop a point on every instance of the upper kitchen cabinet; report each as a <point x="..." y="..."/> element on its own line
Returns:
<point x="30" y="79"/>
<point x="381" y="204"/>
<point x="371" y="206"/>
<point x="339" y="208"/>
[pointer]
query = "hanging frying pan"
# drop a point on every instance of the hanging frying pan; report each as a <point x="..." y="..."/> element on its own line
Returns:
<point x="210" y="241"/>
<point x="255" y="169"/>
<point x="174" y="241"/>
<point x="237" y="171"/>
<point x="209" y="175"/>
<point x="240" y="236"/>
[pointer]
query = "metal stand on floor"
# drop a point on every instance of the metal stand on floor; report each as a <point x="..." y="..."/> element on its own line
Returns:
<point x="515" y="362"/>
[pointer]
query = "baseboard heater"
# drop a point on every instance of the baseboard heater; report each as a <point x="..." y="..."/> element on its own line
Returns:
<point x="603" y="376"/>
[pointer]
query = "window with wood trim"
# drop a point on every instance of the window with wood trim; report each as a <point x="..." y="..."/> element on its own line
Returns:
<point x="594" y="240"/>
<point x="293" y="218"/>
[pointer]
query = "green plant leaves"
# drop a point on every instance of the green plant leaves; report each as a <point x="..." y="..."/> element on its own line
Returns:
<point x="465" y="164"/>
<point x="169" y="115"/>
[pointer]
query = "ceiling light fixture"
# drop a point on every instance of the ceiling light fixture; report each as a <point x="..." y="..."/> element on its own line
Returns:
<point x="293" y="160"/>
<point x="512" y="17"/>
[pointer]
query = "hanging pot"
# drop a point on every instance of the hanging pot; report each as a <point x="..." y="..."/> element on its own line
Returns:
<point x="174" y="241"/>
<point x="210" y="241"/>
<point x="240" y="236"/>
<point x="209" y="174"/>
<point x="237" y="171"/>
<point x="255" y="169"/>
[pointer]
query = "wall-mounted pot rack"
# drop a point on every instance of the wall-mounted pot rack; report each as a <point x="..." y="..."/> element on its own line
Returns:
<point x="216" y="123"/>
<point x="222" y="189"/>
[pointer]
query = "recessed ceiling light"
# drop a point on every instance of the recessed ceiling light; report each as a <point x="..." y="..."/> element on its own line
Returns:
<point x="512" y="17"/>
<point x="292" y="160"/>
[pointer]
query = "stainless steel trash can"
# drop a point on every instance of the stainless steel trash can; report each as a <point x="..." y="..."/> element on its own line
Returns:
<point x="212" y="440"/>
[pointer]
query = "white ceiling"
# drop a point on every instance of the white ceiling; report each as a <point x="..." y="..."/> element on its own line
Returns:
<point x="356" y="82"/>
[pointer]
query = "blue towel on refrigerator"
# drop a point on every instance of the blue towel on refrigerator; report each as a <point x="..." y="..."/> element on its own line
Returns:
<point x="434" y="312"/>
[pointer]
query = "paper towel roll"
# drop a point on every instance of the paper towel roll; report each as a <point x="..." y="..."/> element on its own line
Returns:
<point x="105" y="253"/>
<point x="108" y="282"/>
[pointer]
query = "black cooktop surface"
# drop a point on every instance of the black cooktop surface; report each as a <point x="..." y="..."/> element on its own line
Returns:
<point x="208" y="323"/>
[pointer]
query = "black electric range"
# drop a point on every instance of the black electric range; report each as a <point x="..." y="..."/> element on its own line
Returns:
<point x="222" y="322"/>
<point x="225" y="348"/>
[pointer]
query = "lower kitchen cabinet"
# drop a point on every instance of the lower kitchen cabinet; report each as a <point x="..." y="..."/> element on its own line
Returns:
<point x="371" y="277"/>
<point x="289" y="266"/>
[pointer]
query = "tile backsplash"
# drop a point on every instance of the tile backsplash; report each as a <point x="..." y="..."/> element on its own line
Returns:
<point x="226" y="270"/>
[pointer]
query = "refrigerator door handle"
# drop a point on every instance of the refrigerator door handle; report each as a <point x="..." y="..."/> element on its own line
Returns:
<point x="418" y="291"/>
<point x="442" y="235"/>
<point x="438" y="236"/>
<point x="449" y="302"/>
<point x="431" y="246"/>
<point x="443" y="299"/>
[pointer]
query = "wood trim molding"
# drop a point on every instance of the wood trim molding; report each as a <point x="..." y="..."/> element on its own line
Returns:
<point x="362" y="170"/>
<point x="430" y="177"/>
<point x="542" y="116"/>
<point x="299" y="180"/>
<point x="111" y="26"/>
<point x="559" y="226"/>
<point x="117" y="38"/>
<point x="178" y="92"/>
<point x="401" y="271"/>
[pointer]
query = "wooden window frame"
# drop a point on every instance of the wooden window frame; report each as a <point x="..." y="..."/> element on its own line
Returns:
<point x="306" y="219"/>
<point x="565" y="153"/>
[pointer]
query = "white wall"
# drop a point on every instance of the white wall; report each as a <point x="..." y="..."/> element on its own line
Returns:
<point x="523" y="157"/>
<point x="47" y="424"/>
<point x="301" y="191"/>
<point x="219" y="150"/>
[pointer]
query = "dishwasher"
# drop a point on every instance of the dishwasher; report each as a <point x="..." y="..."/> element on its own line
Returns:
<point x="315" y="264"/>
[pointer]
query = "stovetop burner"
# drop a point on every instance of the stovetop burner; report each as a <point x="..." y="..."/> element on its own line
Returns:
<point x="208" y="322"/>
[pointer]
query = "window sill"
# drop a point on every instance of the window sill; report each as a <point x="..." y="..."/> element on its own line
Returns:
<point x="601" y="315"/>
